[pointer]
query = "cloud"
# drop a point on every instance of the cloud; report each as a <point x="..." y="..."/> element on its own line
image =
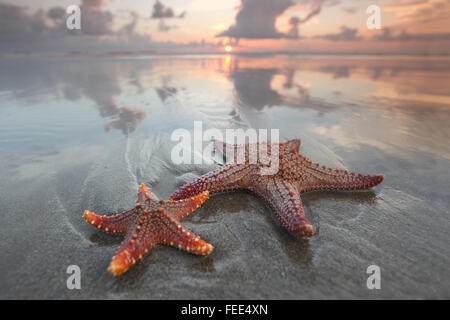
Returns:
<point x="314" y="12"/>
<point x="129" y="28"/>
<point x="163" y="27"/>
<point x="160" y="11"/>
<point x="294" y="22"/>
<point x="332" y="3"/>
<point x="56" y="13"/>
<point x="388" y="35"/>
<point x="420" y="18"/>
<point x="351" y="10"/>
<point x="93" y="4"/>
<point x="420" y="10"/>
<point x="96" y="22"/>
<point x="17" y="25"/>
<point x="256" y="19"/>
<point x="346" y="34"/>
<point x="45" y="30"/>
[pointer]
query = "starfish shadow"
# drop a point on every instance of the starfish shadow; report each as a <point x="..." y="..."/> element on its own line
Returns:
<point x="358" y="196"/>
<point x="206" y="264"/>
<point x="132" y="279"/>
<point x="367" y="197"/>
<point x="105" y="240"/>
<point x="296" y="249"/>
<point x="207" y="213"/>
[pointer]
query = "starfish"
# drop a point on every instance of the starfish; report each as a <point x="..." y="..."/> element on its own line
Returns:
<point x="151" y="222"/>
<point x="296" y="174"/>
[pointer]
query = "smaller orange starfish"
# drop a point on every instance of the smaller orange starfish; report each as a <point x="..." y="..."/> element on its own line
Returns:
<point x="149" y="223"/>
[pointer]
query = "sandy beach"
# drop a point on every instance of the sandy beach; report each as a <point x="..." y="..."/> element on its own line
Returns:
<point x="83" y="132"/>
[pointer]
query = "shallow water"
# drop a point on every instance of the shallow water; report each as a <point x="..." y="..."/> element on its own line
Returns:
<point x="82" y="132"/>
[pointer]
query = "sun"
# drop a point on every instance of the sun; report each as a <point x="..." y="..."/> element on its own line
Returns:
<point x="228" y="48"/>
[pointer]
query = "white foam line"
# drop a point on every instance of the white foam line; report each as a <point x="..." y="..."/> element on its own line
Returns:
<point x="127" y="160"/>
<point x="67" y="221"/>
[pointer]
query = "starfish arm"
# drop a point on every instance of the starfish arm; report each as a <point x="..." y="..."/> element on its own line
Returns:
<point x="228" y="177"/>
<point x="138" y="240"/>
<point x="316" y="177"/>
<point x="224" y="148"/>
<point x="294" y="144"/>
<point x="178" y="236"/>
<point x="114" y="224"/>
<point x="240" y="152"/>
<point x="144" y="193"/>
<point x="179" y="209"/>
<point x="227" y="149"/>
<point x="162" y="229"/>
<point x="284" y="199"/>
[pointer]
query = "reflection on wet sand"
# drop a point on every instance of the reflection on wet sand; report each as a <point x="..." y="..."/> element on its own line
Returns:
<point x="166" y="91"/>
<point x="126" y="119"/>
<point x="253" y="87"/>
<point x="405" y="90"/>
<point x="394" y="69"/>
<point x="256" y="88"/>
<point x="410" y="92"/>
<point x="98" y="82"/>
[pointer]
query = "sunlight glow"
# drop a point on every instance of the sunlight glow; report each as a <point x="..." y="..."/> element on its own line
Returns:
<point x="228" y="48"/>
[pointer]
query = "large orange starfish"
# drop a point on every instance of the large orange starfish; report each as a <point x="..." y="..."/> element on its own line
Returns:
<point x="297" y="174"/>
<point x="149" y="223"/>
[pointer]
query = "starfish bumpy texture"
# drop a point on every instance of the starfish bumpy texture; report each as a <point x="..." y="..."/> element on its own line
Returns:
<point x="281" y="190"/>
<point x="149" y="223"/>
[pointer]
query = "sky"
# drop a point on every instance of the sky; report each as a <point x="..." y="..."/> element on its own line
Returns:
<point x="195" y="26"/>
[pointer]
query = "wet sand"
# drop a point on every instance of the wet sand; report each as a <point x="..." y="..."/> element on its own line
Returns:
<point x="82" y="133"/>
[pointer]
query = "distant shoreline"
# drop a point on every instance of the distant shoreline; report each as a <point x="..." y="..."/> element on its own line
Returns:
<point x="209" y="53"/>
